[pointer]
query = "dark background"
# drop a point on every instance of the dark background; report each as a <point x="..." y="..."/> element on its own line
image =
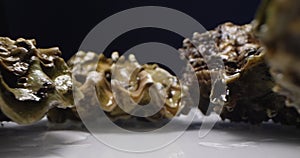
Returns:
<point x="65" y="23"/>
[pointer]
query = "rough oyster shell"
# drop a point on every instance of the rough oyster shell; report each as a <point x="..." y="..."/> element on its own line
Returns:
<point x="32" y="80"/>
<point x="278" y="27"/>
<point x="135" y="88"/>
<point x="129" y="89"/>
<point x="249" y="84"/>
<point x="82" y="64"/>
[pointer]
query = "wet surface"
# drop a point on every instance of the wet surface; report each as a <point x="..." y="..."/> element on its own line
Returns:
<point x="225" y="140"/>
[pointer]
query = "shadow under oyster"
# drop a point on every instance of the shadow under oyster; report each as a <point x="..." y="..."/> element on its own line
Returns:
<point x="249" y="84"/>
<point x="32" y="80"/>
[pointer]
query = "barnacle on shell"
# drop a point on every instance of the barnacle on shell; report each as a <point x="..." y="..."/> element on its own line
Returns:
<point x="249" y="84"/>
<point x="32" y="80"/>
<point x="277" y="25"/>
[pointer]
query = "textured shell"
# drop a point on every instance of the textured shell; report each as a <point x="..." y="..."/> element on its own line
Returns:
<point x="249" y="83"/>
<point x="278" y="26"/>
<point x="81" y="65"/>
<point x="32" y="80"/>
<point x="132" y="82"/>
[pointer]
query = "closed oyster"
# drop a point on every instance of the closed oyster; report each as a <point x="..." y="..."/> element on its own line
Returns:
<point x="32" y="80"/>
<point x="81" y="65"/>
<point x="278" y="27"/>
<point x="135" y="84"/>
<point x="249" y="84"/>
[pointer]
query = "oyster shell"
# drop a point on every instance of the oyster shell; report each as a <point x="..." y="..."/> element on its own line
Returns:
<point x="278" y="27"/>
<point x="136" y="88"/>
<point x="130" y="90"/>
<point x="249" y="84"/>
<point x="32" y="80"/>
<point x="81" y="65"/>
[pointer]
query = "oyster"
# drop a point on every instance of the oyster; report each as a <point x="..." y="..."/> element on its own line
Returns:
<point x="130" y="90"/>
<point x="32" y="80"/>
<point x="249" y="84"/>
<point x="278" y="27"/>
<point x="147" y="82"/>
<point x="81" y="65"/>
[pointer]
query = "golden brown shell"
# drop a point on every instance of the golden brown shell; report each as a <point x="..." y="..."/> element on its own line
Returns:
<point x="32" y="80"/>
<point x="132" y="82"/>
<point x="131" y="85"/>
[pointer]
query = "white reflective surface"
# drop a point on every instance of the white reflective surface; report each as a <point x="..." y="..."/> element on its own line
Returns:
<point x="226" y="140"/>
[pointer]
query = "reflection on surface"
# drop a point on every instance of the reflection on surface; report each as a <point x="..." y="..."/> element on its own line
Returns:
<point x="228" y="139"/>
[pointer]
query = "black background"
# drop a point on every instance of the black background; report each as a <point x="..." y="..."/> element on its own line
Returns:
<point x="65" y="23"/>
